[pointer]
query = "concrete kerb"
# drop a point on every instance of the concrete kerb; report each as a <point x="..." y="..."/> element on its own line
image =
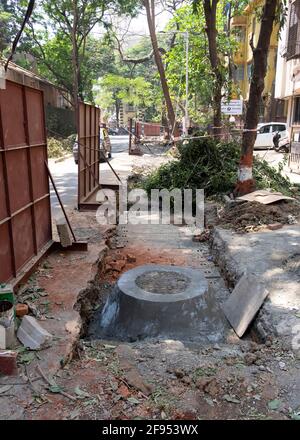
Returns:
<point x="62" y="158"/>
<point x="264" y="254"/>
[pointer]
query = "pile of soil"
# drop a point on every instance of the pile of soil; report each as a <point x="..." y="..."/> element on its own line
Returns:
<point x="253" y="216"/>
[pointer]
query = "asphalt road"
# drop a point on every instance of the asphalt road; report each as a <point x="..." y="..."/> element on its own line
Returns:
<point x="65" y="176"/>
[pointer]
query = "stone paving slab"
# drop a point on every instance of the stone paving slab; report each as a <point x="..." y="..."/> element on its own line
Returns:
<point x="244" y="302"/>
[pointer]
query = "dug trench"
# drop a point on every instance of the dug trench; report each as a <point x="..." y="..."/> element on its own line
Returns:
<point x="176" y="378"/>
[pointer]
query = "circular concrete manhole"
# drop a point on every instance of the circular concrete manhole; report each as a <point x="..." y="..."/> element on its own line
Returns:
<point x="157" y="300"/>
<point x="163" y="282"/>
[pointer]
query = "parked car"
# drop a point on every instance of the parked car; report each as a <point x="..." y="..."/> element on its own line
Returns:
<point x="105" y="150"/>
<point x="113" y="131"/>
<point x="266" y="133"/>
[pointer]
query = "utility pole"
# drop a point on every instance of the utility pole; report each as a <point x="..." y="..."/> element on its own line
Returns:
<point x="186" y="116"/>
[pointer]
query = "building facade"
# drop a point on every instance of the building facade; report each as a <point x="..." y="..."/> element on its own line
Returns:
<point x="287" y="85"/>
<point x="247" y="29"/>
<point x="127" y="112"/>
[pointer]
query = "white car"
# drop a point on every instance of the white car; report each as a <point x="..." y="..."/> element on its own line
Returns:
<point x="266" y="133"/>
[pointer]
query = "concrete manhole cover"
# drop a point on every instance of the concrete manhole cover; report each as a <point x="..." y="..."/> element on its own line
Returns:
<point x="158" y="300"/>
<point x="163" y="282"/>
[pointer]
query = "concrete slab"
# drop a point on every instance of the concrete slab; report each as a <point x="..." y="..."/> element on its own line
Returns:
<point x="32" y="334"/>
<point x="64" y="232"/>
<point x="244" y="302"/>
<point x="2" y="338"/>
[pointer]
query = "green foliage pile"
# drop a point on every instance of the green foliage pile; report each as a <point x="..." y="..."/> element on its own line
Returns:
<point x="59" y="147"/>
<point x="212" y="166"/>
<point x="55" y="148"/>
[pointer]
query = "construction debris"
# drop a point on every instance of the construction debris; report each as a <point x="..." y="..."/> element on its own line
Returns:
<point x="244" y="302"/>
<point x="32" y="335"/>
<point x="7" y="336"/>
<point x="264" y="197"/>
<point x="253" y="216"/>
<point x="64" y="233"/>
<point x="2" y="338"/>
<point x="8" y="362"/>
<point x="22" y="310"/>
<point x="10" y="335"/>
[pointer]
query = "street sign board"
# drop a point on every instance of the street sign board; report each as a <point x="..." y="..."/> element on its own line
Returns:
<point x="233" y="107"/>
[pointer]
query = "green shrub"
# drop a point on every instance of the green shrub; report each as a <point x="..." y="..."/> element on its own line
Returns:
<point x="59" y="147"/>
<point x="55" y="148"/>
<point x="212" y="166"/>
<point x="68" y="143"/>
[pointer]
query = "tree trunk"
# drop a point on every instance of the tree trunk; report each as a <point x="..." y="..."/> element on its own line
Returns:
<point x="245" y="182"/>
<point x="75" y="63"/>
<point x="210" y="12"/>
<point x="118" y="104"/>
<point x="160" y="67"/>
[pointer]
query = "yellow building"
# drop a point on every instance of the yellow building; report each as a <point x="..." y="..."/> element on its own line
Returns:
<point x="127" y="112"/>
<point x="247" y="28"/>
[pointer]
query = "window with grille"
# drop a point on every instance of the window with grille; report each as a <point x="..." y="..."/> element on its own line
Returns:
<point x="293" y="46"/>
<point x="239" y="73"/>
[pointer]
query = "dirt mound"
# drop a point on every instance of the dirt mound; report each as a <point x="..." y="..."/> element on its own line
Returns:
<point x="253" y="216"/>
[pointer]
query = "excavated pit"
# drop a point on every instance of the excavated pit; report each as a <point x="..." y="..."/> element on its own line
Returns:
<point x="160" y="301"/>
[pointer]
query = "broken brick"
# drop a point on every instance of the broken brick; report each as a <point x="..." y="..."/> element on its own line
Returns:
<point x="8" y="362"/>
<point x="131" y="258"/>
<point x="275" y="226"/>
<point x="21" y="310"/>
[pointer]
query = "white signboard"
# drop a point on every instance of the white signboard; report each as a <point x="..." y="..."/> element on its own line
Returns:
<point x="233" y="107"/>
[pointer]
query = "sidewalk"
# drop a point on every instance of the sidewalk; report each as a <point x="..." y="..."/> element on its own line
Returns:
<point x="275" y="257"/>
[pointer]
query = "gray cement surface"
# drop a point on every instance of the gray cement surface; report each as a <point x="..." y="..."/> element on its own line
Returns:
<point x="265" y="254"/>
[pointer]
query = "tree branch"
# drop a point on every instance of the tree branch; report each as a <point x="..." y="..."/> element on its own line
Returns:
<point x="47" y="64"/>
<point x="136" y="60"/>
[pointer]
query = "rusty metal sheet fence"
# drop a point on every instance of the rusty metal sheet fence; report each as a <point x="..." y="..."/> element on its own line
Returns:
<point x="149" y="129"/>
<point x="25" y="210"/>
<point x="88" y="152"/>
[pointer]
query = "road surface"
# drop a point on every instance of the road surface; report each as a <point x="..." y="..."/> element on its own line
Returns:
<point x="273" y="158"/>
<point x="65" y="175"/>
